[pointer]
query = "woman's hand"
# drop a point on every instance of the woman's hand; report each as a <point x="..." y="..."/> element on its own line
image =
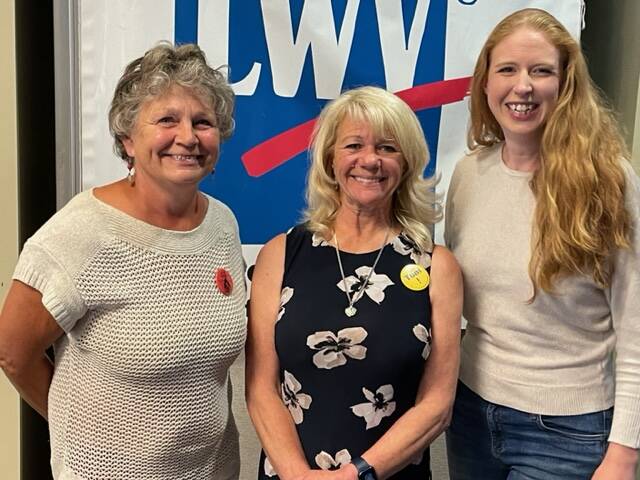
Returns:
<point x="619" y="463"/>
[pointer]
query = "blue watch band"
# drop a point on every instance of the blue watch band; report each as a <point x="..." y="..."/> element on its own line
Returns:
<point x="365" y="471"/>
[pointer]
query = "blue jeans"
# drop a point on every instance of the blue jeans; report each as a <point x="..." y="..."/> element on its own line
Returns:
<point x="486" y="441"/>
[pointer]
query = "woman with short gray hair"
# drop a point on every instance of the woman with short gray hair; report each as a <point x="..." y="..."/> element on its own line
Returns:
<point x="139" y="287"/>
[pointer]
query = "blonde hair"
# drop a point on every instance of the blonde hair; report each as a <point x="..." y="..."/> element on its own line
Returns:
<point x="415" y="205"/>
<point x="153" y="74"/>
<point x="580" y="217"/>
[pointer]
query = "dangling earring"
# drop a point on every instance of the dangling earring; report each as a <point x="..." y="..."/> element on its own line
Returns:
<point x="131" y="176"/>
<point x="213" y="171"/>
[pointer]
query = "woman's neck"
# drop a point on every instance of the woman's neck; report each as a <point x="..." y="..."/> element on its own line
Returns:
<point x="520" y="156"/>
<point x="182" y="210"/>
<point x="359" y="231"/>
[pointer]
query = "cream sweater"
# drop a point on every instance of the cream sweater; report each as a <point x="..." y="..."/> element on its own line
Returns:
<point x="141" y="382"/>
<point x="554" y="356"/>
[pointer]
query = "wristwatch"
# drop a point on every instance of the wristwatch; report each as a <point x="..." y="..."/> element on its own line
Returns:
<point x="365" y="471"/>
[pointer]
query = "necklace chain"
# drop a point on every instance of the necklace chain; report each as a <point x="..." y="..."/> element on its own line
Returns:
<point x="350" y="311"/>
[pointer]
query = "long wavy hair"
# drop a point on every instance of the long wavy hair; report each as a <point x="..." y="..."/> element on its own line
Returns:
<point x="580" y="217"/>
<point x="415" y="204"/>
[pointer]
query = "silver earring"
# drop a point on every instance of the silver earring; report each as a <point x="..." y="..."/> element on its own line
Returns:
<point x="131" y="175"/>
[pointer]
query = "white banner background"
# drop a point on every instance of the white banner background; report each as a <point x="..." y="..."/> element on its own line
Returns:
<point x="113" y="33"/>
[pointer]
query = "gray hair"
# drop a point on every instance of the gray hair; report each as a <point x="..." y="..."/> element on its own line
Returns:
<point x="153" y="74"/>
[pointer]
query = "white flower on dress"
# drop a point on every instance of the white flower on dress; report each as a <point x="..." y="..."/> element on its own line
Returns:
<point x="293" y="398"/>
<point x="327" y="462"/>
<point x="424" y="335"/>
<point x="374" y="288"/>
<point x="319" y="241"/>
<point x="379" y="405"/>
<point x="333" y="350"/>
<point x="268" y="468"/>
<point x="285" y="296"/>
<point x="405" y="246"/>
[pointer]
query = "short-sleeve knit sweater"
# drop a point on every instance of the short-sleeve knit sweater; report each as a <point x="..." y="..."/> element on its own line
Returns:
<point x="141" y="387"/>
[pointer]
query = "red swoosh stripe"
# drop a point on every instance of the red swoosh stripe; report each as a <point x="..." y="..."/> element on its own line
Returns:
<point x="278" y="149"/>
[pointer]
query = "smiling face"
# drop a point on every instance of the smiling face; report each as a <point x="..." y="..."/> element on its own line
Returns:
<point x="174" y="142"/>
<point x="523" y="83"/>
<point x="367" y="168"/>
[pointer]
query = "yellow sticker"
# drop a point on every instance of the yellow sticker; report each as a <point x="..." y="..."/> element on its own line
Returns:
<point x="414" y="277"/>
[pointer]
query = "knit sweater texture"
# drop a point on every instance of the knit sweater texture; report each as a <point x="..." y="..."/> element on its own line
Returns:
<point x="554" y="356"/>
<point x="141" y="387"/>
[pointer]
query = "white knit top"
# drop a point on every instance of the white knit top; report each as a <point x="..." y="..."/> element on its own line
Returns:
<point x="141" y="387"/>
<point x="553" y="356"/>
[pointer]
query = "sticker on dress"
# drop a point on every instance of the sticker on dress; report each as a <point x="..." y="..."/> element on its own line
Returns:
<point x="415" y="277"/>
<point x="224" y="282"/>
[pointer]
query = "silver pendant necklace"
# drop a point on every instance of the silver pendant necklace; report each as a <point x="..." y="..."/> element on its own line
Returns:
<point x="350" y="311"/>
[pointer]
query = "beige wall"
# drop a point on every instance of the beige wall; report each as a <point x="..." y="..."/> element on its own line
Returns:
<point x="9" y="404"/>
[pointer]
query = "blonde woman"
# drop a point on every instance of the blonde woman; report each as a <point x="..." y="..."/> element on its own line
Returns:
<point x="542" y="216"/>
<point x="354" y="319"/>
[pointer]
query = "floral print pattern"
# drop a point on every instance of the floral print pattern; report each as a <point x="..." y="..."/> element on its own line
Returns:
<point x="374" y="289"/>
<point x="321" y="383"/>
<point x="406" y="246"/>
<point x="293" y="398"/>
<point x="333" y="350"/>
<point x="327" y="462"/>
<point x="378" y="405"/>
<point x="268" y="468"/>
<point x="319" y="241"/>
<point x="424" y="335"/>
<point x="285" y="296"/>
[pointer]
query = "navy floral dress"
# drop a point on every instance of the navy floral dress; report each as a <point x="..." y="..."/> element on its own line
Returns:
<point x="346" y="380"/>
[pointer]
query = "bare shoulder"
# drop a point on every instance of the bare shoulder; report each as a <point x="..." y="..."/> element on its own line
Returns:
<point x="266" y="284"/>
<point x="112" y="193"/>
<point x="269" y="268"/>
<point x="446" y="291"/>
<point x="272" y="253"/>
<point x="444" y="263"/>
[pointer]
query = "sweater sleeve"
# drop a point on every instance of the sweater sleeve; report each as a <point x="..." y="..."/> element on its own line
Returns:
<point x="41" y="271"/>
<point x="624" y="298"/>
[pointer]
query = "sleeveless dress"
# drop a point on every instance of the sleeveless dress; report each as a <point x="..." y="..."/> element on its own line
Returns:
<point x="346" y="380"/>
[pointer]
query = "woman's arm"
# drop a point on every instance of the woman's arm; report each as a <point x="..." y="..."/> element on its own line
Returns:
<point x="421" y="424"/>
<point x="27" y="329"/>
<point x="270" y="416"/>
<point x="621" y="459"/>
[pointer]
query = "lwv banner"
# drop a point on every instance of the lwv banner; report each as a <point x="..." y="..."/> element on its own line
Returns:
<point x="286" y="59"/>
